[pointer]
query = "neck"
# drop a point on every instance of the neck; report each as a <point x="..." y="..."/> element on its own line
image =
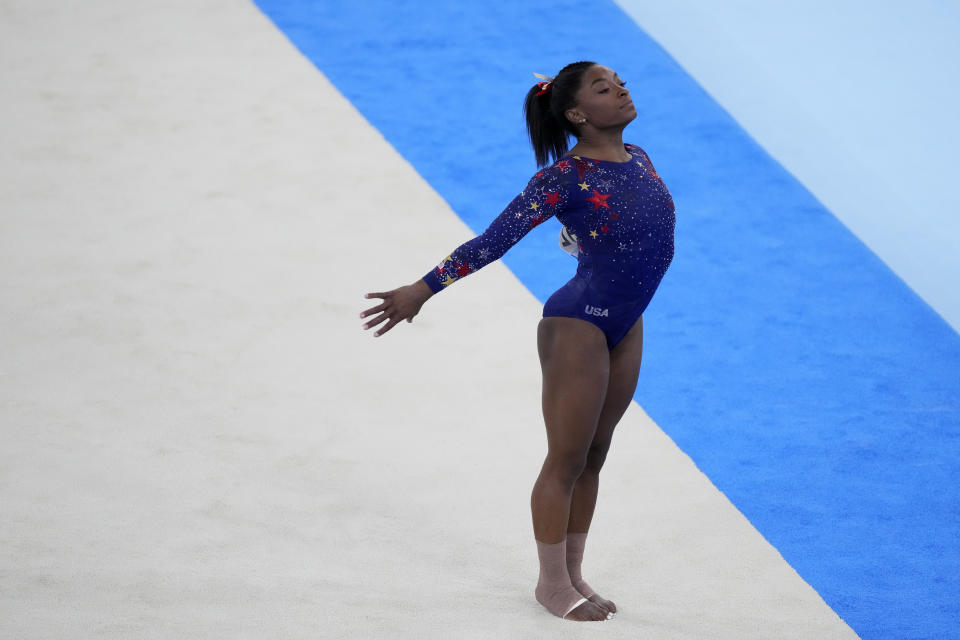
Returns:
<point x="602" y="144"/>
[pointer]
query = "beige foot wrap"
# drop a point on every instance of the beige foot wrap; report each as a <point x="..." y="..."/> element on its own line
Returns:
<point x="554" y="590"/>
<point x="575" y="544"/>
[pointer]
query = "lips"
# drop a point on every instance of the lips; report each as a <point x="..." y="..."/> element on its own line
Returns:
<point x="628" y="103"/>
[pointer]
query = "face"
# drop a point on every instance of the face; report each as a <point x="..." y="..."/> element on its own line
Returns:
<point x="603" y="100"/>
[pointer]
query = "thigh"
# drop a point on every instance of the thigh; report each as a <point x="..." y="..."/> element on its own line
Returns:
<point x="624" y="371"/>
<point x="576" y="370"/>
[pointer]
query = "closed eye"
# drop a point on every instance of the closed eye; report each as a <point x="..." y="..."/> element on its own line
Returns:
<point x="623" y="83"/>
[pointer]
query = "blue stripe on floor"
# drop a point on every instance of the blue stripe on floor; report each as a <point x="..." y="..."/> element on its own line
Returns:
<point x="816" y="390"/>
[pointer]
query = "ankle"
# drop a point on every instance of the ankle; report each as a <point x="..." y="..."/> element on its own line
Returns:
<point x="554" y="589"/>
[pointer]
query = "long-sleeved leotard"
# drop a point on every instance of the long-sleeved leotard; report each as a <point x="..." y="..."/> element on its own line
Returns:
<point x="623" y="217"/>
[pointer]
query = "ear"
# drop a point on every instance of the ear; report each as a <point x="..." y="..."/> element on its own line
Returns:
<point x="574" y="116"/>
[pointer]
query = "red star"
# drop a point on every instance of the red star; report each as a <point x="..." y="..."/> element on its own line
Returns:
<point x="552" y="198"/>
<point x="563" y="164"/>
<point x="539" y="174"/>
<point x="535" y="220"/>
<point x="599" y="200"/>
<point x="582" y="167"/>
<point x="605" y="229"/>
<point x="614" y="216"/>
<point x="463" y="269"/>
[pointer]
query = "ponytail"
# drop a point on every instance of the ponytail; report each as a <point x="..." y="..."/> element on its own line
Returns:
<point x="544" y="110"/>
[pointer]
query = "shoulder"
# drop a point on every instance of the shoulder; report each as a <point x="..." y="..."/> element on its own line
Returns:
<point x="556" y="174"/>
<point x="638" y="150"/>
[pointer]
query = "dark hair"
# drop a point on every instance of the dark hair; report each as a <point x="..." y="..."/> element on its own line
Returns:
<point x="546" y="123"/>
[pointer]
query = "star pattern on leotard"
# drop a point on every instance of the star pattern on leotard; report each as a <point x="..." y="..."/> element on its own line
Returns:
<point x="622" y="224"/>
<point x="583" y="166"/>
<point x="599" y="200"/>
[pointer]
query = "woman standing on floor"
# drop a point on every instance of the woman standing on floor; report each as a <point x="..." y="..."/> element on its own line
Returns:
<point x="590" y="340"/>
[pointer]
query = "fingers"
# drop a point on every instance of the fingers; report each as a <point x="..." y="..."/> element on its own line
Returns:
<point x="373" y="310"/>
<point x="380" y="318"/>
<point x="390" y="325"/>
<point x="392" y="311"/>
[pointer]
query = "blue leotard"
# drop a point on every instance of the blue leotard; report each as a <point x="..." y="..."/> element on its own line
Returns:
<point x="624" y="220"/>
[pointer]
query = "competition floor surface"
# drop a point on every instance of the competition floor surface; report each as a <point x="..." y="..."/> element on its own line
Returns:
<point x="199" y="440"/>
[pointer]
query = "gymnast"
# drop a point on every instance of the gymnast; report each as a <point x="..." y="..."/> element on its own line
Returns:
<point x="620" y="215"/>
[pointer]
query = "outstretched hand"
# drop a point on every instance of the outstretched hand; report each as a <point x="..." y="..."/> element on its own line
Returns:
<point x="400" y="304"/>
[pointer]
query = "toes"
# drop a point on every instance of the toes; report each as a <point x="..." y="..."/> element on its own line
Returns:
<point x="608" y="608"/>
<point x="588" y="612"/>
<point x="598" y="615"/>
<point x="607" y="605"/>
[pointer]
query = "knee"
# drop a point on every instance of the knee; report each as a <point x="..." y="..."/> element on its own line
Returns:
<point x="565" y="468"/>
<point x="596" y="456"/>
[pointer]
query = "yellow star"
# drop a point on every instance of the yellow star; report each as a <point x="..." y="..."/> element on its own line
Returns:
<point x="584" y="186"/>
<point x="448" y="281"/>
<point x="534" y="206"/>
<point x="593" y="234"/>
<point x="639" y="163"/>
<point x="577" y="157"/>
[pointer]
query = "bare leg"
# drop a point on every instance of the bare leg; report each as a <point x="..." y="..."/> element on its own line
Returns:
<point x="624" y="371"/>
<point x="576" y="365"/>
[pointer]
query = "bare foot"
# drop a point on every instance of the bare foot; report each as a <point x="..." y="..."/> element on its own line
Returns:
<point x="588" y="612"/>
<point x="603" y="603"/>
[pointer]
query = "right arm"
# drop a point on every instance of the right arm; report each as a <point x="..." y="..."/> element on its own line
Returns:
<point x="544" y="196"/>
